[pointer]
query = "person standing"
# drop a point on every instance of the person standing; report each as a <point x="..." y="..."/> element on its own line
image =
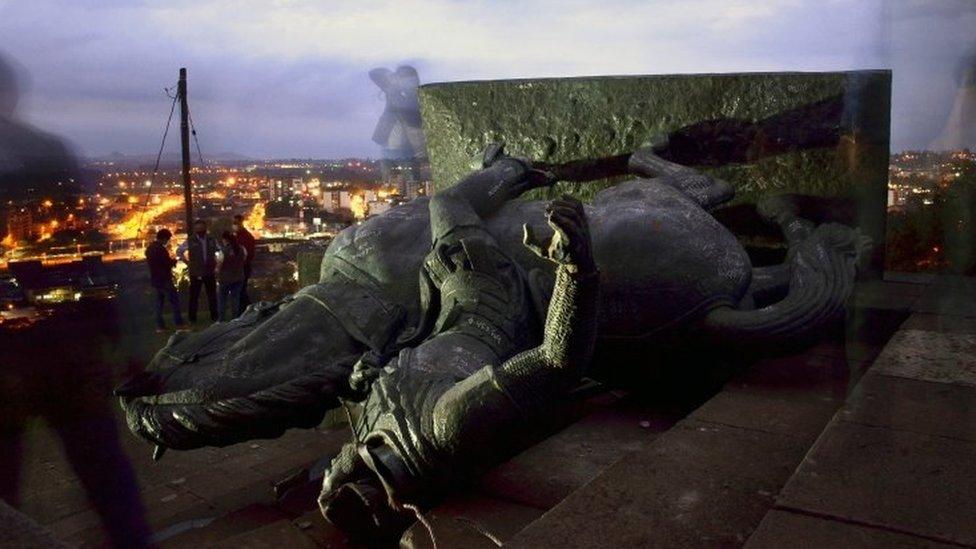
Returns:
<point x="161" y="277"/>
<point x="199" y="252"/>
<point x="231" y="276"/>
<point x="246" y="240"/>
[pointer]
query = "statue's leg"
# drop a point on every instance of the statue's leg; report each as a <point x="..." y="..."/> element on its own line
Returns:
<point x="784" y="211"/>
<point x="704" y="189"/>
<point x="768" y="285"/>
<point x="279" y="366"/>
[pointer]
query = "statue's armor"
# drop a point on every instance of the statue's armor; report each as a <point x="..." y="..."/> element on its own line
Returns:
<point x="477" y="312"/>
<point x="480" y="313"/>
<point x="362" y="309"/>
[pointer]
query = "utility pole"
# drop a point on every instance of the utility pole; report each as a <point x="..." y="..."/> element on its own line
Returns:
<point x="185" y="142"/>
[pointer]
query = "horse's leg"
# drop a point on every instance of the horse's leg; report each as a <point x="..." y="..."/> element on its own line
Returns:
<point x="822" y="266"/>
<point x="768" y="285"/>
<point x="704" y="189"/>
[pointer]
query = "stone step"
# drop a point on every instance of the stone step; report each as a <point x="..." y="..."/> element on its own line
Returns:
<point x="686" y="481"/>
<point x="711" y="479"/>
<point x="518" y="491"/>
<point x="894" y="466"/>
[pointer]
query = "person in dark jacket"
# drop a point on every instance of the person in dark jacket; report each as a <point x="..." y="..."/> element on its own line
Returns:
<point x="199" y="252"/>
<point x="231" y="275"/>
<point x="247" y="241"/>
<point x="161" y="277"/>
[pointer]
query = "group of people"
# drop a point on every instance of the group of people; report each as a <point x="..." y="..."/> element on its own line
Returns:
<point x="221" y="268"/>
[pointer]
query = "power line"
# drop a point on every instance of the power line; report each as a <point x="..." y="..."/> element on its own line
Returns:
<point x="193" y="130"/>
<point x="159" y="156"/>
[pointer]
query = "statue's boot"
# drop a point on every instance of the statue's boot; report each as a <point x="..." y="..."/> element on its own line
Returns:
<point x="822" y="263"/>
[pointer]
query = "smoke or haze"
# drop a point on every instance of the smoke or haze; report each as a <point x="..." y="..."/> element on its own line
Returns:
<point x="290" y="78"/>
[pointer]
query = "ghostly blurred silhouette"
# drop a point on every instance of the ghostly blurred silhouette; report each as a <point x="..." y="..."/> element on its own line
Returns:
<point x="59" y="370"/>
<point x="31" y="161"/>
<point x="398" y="131"/>
<point x="959" y="131"/>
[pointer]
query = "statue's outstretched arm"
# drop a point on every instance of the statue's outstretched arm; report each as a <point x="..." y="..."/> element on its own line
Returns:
<point x="488" y="405"/>
<point x="483" y="192"/>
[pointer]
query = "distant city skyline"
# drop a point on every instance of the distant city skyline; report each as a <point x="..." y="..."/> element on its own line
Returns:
<point x="291" y="81"/>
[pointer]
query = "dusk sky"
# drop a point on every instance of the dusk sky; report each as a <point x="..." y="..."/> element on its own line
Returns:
<point x="288" y="78"/>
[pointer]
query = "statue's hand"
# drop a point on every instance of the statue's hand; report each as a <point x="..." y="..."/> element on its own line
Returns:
<point x="570" y="245"/>
<point x="532" y="178"/>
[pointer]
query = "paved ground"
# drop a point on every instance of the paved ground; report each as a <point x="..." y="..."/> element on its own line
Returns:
<point x="843" y="448"/>
<point x="895" y="465"/>
<point x="762" y="460"/>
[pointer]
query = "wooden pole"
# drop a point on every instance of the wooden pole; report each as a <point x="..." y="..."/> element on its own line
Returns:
<point x="185" y="143"/>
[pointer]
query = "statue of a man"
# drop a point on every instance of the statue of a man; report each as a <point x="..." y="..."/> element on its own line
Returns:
<point x="447" y="407"/>
<point x="437" y="377"/>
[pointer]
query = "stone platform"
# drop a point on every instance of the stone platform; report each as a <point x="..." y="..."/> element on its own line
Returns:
<point x="865" y="440"/>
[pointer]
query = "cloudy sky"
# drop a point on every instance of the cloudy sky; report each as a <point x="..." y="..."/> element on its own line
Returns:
<point x="280" y="78"/>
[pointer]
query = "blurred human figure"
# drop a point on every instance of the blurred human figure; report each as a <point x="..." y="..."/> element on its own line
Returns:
<point x="31" y="161"/>
<point x="199" y="252"/>
<point x="959" y="131"/>
<point x="231" y="276"/>
<point x="246" y="240"/>
<point x="398" y="131"/>
<point x="68" y="384"/>
<point x="161" y="277"/>
<point x="61" y="369"/>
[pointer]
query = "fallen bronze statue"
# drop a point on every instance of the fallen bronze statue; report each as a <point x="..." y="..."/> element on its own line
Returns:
<point x="448" y="324"/>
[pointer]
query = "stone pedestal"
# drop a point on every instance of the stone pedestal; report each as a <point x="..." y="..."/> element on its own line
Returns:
<point x="821" y="134"/>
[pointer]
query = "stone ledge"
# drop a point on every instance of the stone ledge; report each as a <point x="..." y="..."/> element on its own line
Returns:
<point x="923" y="407"/>
<point x="698" y="485"/>
<point x="786" y="529"/>
<point x="930" y="356"/>
<point x="546" y="473"/>
<point x="898" y="480"/>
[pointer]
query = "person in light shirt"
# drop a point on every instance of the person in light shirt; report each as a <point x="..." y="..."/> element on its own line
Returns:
<point x="199" y="252"/>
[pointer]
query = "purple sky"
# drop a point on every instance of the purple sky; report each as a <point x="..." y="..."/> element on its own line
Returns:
<point x="288" y="78"/>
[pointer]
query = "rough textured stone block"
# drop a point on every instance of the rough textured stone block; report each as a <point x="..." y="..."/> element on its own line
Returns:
<point x="824" y="134"/>
<point x="19" y="530"/>
<point x="798" y="411"/>
<point x="930" y="356"/>
<point x="309" y="263"/>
